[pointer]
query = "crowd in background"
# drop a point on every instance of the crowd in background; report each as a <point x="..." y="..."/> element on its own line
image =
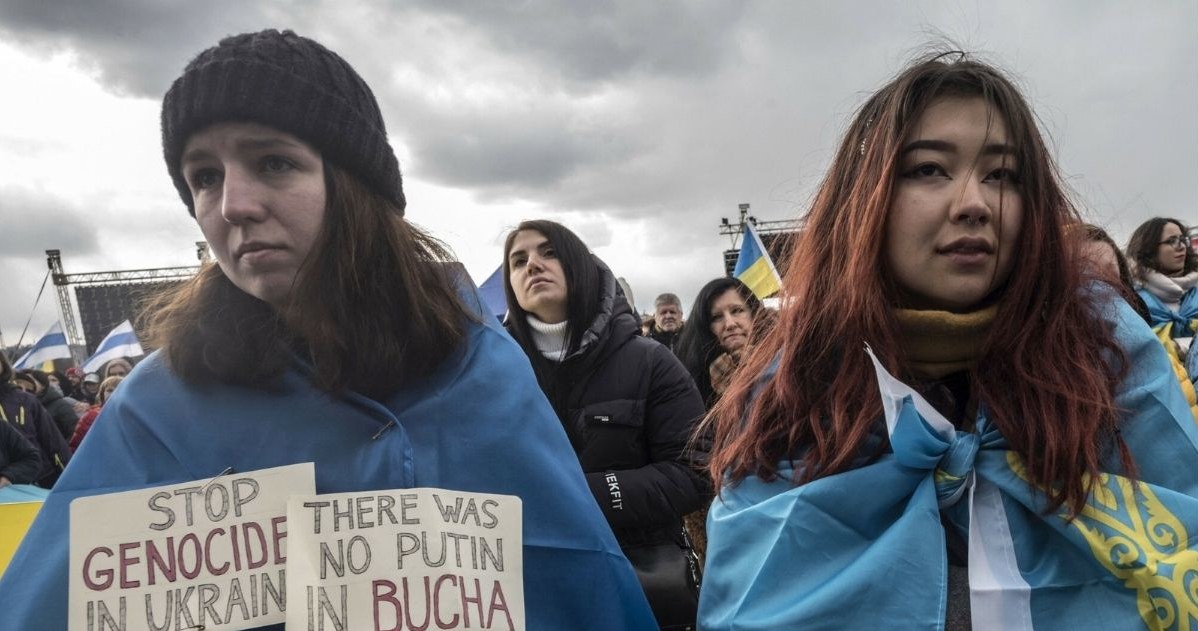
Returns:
<point x="947" y="329"/>
<point x="49" y="413"/>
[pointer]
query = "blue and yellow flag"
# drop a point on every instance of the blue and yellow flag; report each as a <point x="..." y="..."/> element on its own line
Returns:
<point x="754" y="267"/>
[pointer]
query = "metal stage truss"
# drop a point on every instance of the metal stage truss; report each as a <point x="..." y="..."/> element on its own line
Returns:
<point x="775" y="235"/>
<point x="105" y="299"/>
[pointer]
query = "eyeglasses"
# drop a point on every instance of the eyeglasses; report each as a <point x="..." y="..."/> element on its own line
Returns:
<point x="1175" y="242"/>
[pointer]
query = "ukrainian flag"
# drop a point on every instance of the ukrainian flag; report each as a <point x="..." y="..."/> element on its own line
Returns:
<point x="754" y="267"/>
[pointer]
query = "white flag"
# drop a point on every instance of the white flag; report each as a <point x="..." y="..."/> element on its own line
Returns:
<point x="53" y="345"/>
<point x="120" y="342"/>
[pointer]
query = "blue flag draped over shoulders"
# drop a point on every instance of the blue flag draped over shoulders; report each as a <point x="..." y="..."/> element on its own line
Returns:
<point x="865" y="549"/>
<point x="479" y="424"/>
<point x="1182" y="321"/>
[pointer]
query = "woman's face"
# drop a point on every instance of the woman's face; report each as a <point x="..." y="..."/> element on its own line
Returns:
<point x="117" y="369"/>
<point x="537" y="277"/>
<point x="260" y="201"/>
<point x="957" y="210"/>
<point x="1171" y="251"/>
<point x="731" y="321"/>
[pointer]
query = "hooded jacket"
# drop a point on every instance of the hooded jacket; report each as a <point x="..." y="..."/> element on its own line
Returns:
<point x="477" y="424"/>
<point x="61" y="409"/>
<point x="628" y="407"/>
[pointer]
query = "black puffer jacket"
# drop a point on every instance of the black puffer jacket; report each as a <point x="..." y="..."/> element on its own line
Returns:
<point x="61" y="409"/>
<point x="628" y="407"/>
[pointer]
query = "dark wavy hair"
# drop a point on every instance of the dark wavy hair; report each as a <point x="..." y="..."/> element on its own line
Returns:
<point x="1145" y="243"/>
<point x="1126" y="284"/>
<point x="697" y="347"/>
<point x="373" y="307"/>
<point x="1047" y="370"/>
<point x="582" y="282"/>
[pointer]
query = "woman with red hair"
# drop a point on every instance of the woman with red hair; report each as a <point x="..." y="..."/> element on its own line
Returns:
<point x="1028" y="403"/>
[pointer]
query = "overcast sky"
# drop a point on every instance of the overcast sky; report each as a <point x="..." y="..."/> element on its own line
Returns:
<point x="638" y="124"/>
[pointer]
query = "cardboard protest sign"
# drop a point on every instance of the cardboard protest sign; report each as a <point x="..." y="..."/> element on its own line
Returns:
<point x="209" y="554"/>
<point x="405" y="559"/>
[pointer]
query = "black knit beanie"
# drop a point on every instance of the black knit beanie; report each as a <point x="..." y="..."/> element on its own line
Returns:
<point x="289" y="83"/>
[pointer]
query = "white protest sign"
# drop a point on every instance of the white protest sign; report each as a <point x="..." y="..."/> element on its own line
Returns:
<point x="209" y="554"/>
<point x="405" y="559"/>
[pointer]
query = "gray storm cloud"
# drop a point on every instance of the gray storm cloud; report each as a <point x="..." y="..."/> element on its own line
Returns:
<point x="663" y="116"/>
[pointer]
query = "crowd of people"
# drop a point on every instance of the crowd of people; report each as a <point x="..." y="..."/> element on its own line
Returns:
<point x="51" y="412"/>
<point x="957" y="379"/>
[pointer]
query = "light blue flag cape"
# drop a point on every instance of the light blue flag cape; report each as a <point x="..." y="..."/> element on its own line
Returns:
<point x="479" y="423"/>
<point x="1182" y="320"/>
<point x="865" y="549"/>
<point x="51" y="345"/>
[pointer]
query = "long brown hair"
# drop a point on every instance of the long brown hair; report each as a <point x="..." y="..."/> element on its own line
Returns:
<point x="1042" y="373"/>
<point x="373" y="307"/>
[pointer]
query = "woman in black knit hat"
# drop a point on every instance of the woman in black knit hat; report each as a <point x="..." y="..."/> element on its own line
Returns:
<point x="328" y="330"/>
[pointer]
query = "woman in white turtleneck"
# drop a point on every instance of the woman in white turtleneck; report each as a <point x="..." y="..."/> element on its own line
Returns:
<point x="1166" y="272"/>
<point x="625" y="401"/>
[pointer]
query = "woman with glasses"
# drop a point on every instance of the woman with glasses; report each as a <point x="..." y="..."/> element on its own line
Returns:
<point x="1166" y="272"/>
<point x="951" y="426"/>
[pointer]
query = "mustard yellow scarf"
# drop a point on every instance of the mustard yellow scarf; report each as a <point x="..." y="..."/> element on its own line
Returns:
<point x="939" y="343"/>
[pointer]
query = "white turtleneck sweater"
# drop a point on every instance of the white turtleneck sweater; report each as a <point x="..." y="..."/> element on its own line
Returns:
<point x="550" y="339"/>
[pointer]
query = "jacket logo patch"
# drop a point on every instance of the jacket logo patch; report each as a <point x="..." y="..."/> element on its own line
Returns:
<point x="613" y="489"/>
<point x="602" y="418"/>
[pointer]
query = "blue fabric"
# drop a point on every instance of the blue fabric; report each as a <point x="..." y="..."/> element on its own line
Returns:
<point x="479" y="424"/>
<point x="1192" y="365"/>
<point x="865" y="549"/>
<point x="15" y="493"/>
<point x="1182" y="320"/>
<point x="491" y="292"/>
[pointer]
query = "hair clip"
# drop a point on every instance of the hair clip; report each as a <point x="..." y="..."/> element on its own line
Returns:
<point x="868" y="122"/>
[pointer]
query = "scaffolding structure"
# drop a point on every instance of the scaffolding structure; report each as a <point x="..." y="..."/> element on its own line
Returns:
<point x="63" y="283"/>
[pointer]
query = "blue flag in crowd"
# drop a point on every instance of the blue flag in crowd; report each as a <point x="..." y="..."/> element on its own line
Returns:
<point x="120" y="342"/>
<point x="52" y="345"/>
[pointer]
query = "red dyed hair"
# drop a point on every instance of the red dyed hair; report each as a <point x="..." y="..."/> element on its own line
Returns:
<point x="1045" y="372"/>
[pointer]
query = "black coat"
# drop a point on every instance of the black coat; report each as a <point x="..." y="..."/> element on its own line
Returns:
<point x="25" y="413"/>
<point x="20" y="461"/>
<point x="61" y="409"/>
<point x="668" y="339"/>
<point x="628" y="407"/>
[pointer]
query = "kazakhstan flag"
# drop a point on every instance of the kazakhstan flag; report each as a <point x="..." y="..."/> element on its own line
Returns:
<point x="754" y="267"/>
<point x="865" y="549"/>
